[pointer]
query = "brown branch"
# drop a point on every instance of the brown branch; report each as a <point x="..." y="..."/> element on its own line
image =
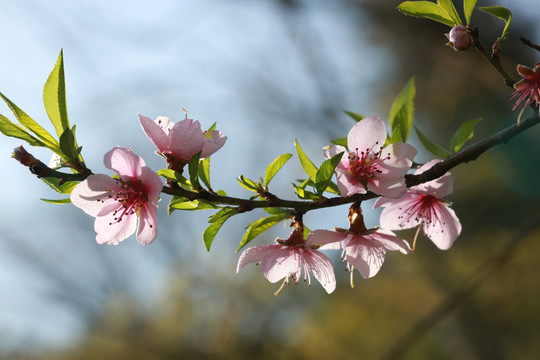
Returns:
<point x="472" y="152"/>
<point x="468" y="154"/>
<point x="529" y="43"/>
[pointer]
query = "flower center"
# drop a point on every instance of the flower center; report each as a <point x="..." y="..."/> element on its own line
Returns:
<point x="364" y="165"/>
<point x="423" y="208"/>
<point x="131" y="198"/>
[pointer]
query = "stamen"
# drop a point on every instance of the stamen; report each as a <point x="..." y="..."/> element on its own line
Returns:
<point x="286" y="281"/>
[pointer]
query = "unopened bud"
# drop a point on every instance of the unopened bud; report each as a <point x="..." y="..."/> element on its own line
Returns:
<point x="460" y="38"/>
<point x="24" y="157"/>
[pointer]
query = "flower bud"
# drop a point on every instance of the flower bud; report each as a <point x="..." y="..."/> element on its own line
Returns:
<point x="460" y="38"/>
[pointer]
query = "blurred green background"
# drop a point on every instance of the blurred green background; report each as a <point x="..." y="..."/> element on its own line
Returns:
<point x="268" y="72"/>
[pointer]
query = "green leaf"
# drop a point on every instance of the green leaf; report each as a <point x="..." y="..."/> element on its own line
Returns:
<point x="33" y="126"/>
<point x="341" y="141"/>
<point x="177" y="177"/>
<point x="325" y="173"/>
<point x="193" y="168"/>
<point x="259" y="226"/>
<point x="395" y="136"/>
<point x="274" y="167"/>
<point x="248" y="184"/>
<point x="218" y="221"/>
<point x="62" y="188"/>
<point x="182" y="203"/>
<point x="431" y="146"/>
<point x="356" y="117"/>
<point x="468" y="7"/>
<point x="54" y="97"/>
<point x="307" y="165"/>
<point x="204" y="172"/>
<point x="226" y="211"/>
<point x="463" y="134"/>
<point x="67" y="143"/>
<point x="276" y="211"/>
<point x="13" y="130"/>
<point x="449" y="7"/>
<point x="502" y="13"/>
<point x="58" y="201"/>
<point x="426" y="9"/>
<point x="402" y="110"/>
<point x="305" y="194"/>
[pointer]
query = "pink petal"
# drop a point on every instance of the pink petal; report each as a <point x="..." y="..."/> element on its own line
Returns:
<point x="186" y="139"/>
<point x="393" y="216"/>
<point x="321" y="237"/>
<point x="282" y="263"/>
<point x="147" y="229"/>
<point x="164" y="123"/>
<point x="152" y="184"/>
<point x="124" y="162"/>
<point x="391" y="242"/>
<point x="444" y="232"/>
<point x="213" y="141"/>
<point x="401" y="158"/>
<point x="439" y="188"/>
<point x="155" y="133"/>
<point x="88" y="193"/>
<point x="390" y="188"/>
<point x="347" y="184"/>
<point x="368" y="133"/>
<point x="113" y="232"/>
<point x="366" y="259"/>
<point x="256" y="254"/>
<point x="322" y="268"/>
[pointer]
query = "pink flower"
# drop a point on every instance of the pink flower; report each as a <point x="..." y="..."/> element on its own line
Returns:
<point x="363" y="249"/>
<point x="179" y="142"/>
<point x="460" y="38"/>
<point x="424" y="204"/>
<point x="369" y="165"/>
<point x="117" y="203"/>
<point x="288" y="258"/>
<point x="527" y="89"/>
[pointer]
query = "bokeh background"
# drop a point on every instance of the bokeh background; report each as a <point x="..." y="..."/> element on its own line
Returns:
<point x="267" y="72"/>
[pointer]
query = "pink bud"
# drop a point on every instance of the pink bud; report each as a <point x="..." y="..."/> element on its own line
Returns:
<point x="460" y="38"/>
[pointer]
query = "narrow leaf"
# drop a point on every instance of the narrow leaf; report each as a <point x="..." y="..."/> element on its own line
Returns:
<point x="204" y="172"/>
<point x="426" y="9"/>
<point x="449" y="7"/>
<point x="402" y="110"/>
<point x="226" y="211"/>
<point x="341" y="141"/>
<point x="325" y="173"/>
<point x="193" y="168"/>
<point x="67" y="144"/>
<point x="463" y="134"/>
<point x="468" y="7"/>
<point x="307" y="164"/>
<point x="356" y="117"/>
<point x="502" y="13"/>
<point x="274" y="167"/>
<point x="395" y="136"/>
<point x="58" y="201"/>
<point x="62" y="188"/>
<point x="248" y="184"/>
<point x="33" y="126"/>
<point x="13" y="130"/>
<point x="212" y="230"/>
<point x="181" y="203"/>
<point x="54" y="97"/>
<point x="259" y="226"/>
<point x="431" y="146"/>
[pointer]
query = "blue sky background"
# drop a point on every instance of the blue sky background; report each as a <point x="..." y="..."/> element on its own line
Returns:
<point x="237" y="63"/>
